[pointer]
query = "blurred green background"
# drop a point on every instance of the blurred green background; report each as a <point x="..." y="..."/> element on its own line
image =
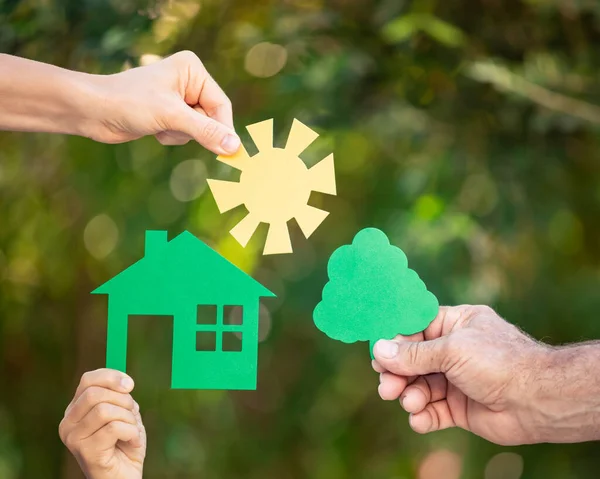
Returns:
<point x="468" y="130"/>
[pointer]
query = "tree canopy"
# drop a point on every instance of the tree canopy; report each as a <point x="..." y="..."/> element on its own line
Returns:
<point x="372" y="294"/>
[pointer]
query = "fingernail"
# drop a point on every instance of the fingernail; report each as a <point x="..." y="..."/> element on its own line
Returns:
<point x="411" y="420"/>
<point x="386" y="349"/>
<point x="127" y="382"/>
<point x="231" y="144"/>
<point x="136" y="406"/>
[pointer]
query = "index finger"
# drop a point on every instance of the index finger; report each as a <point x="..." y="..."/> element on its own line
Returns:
<point x="216" y="103"/>
<point x="208" y="95"/>
<point x="105" y="378"/>
<point x="450" y="318"/>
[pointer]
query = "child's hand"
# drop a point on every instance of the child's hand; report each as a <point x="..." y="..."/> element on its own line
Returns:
<point x="103" y="428"/>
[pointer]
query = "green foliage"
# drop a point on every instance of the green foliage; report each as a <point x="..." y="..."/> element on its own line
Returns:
<point x="372" y="294"/>
<point x="406" y="26"/>
<point x="488" y="177"/>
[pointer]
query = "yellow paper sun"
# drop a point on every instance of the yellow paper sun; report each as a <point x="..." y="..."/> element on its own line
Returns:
<point x="275" y="185"/>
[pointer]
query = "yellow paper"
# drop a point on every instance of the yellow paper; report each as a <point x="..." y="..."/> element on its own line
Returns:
<point x="275" y="186"/>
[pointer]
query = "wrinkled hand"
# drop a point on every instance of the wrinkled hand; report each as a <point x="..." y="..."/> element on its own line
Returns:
<point x="174" y="99"/>
<point x="103" y="428"/>
<point x="470" y="369"/>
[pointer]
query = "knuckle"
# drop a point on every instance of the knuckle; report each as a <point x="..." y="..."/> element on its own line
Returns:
<point x="93" y="395"/>
<point x="413" y="352"/>
<point x="186" y="57"/>
<point x="226" y="103"/>
<point x="484" y="310"/>
<point x="210" y="130"/>
<point x="86" y="379"/>
<point x="70" y="442"/>
<point x="61" y="431"/>
<point x="104" y="411"/>
<point x="129" y="401"/>
<point x="111" y="428"/>
<point x="130" y="417"/>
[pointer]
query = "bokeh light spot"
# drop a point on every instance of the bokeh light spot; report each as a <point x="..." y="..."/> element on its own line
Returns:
<point x="441" y="463"/>
<point x="265" y="59"/>
<point x="506" y="465"/>
<point x="188" y="180"/>
<point x="149" y="59"/>
<point x="101" y="236"/>
<point x="234" y="316"/>
<point x="429" y="207"/>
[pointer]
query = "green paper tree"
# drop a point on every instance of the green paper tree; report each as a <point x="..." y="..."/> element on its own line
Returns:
<point x="372" y="294"/>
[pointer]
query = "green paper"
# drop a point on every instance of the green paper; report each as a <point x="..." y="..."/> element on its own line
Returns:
<point x="372" y="294"/>
<point x="187" y="280"/>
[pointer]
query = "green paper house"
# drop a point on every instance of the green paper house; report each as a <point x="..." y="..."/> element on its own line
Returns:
<point x="186" y="279"/>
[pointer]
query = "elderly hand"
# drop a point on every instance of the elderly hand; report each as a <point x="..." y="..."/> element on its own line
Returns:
<point x="103" y="428"/>
<point x="472" y="369"/>
<point x="174" y="99"/>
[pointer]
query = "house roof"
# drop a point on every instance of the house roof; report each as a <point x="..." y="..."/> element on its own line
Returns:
<point x="184" y="266"/>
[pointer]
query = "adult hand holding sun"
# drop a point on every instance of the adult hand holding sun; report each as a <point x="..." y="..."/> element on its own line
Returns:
<point x="175" y="99"/>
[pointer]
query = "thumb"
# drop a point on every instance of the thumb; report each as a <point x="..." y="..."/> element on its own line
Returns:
<point x="413" y="358"/>
<point x="211" y="134"/>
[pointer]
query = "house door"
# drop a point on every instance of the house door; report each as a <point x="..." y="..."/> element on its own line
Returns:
<point x="149" y="352"/>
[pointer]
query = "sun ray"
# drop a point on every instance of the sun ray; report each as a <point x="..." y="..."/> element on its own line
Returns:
<point x="309" y="219"/>
<point x="244" y="230"/>
<point x="275" y="185"/>
<point x="238" y="160"/>
<point x="262" y="134"/>
<point x="300" y="137"/>
<point x="322" y="176"/>
<point x="278" y="239"/>
<point x="227" y="194"/>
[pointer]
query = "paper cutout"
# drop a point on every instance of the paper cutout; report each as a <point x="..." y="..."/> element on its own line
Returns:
<point x="372" y="294"/>
<point x="182" y="278"/>
<point x="275" y="185"/>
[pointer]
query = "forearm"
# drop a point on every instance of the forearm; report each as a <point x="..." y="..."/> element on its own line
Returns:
<point x="567" y="395"/>
<point x="37" y="97"/>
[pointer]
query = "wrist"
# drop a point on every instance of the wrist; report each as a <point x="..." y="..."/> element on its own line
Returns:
<point x="564" y="403"/>
<point x="88" y="104"/>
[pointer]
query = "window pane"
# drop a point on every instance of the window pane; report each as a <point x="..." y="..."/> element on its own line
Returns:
<point x="207" y="314"/>
<point x="206" y="340"/>
<point x="232" y="342"/>
<point x="233" y="315"/>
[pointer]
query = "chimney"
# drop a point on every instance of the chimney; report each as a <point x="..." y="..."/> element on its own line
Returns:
<point x="155" y="242"/>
